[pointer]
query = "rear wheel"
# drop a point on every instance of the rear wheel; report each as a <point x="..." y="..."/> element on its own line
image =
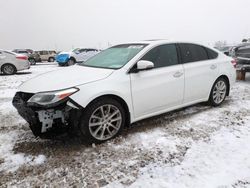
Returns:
<point x="32" y="61"/>
<point x="51" y="59"/>
<point x="8" y="69"/>
<point x="104" y="119"/>
<point x="218" y="92"/>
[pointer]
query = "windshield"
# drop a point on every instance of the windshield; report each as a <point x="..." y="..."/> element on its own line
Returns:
<point x="76" y="50"/>
<point x="114" y="57"/>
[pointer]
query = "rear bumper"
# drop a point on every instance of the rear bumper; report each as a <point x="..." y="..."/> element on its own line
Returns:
<point x="22" y="65"/>
<point x="47" y="122"/>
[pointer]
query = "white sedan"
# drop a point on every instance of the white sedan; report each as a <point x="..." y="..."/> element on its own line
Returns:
<point x="11" y="62"/>
<point x="122" y="85"/>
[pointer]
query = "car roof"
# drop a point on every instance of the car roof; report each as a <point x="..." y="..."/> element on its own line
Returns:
<point x="163" y="41"/>
<point x="20" y="50"/>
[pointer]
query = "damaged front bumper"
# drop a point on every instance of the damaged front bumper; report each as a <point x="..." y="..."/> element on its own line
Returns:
<point x="48" y="121"/>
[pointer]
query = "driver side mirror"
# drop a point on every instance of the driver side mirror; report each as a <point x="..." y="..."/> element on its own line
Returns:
<point x="142" y="65"/>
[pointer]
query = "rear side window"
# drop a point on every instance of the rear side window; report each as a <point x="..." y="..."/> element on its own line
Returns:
<point x="82" y="50"/>
<point x="192" y="53"/>
<point x="211" y="54"/>
<point x="162" y="56"/>
<point x="22" y="52"/>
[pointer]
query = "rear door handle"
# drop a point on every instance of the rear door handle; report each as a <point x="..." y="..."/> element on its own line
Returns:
<point x="213" y="67"/>
<point x="178" y="74"/>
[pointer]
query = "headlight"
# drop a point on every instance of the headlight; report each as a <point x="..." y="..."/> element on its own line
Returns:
<point x="47" y="98"/>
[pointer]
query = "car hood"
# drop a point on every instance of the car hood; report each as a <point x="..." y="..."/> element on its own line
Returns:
<point x="65" y="78"/>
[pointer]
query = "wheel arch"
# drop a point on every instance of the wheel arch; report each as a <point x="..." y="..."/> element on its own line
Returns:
<point x="51" y="57"/>
<point x="121" y="101"/>
<point x="72" y="57"/>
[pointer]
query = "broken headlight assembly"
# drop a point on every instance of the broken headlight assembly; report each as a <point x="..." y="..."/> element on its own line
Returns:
<point x="51" y="98"/>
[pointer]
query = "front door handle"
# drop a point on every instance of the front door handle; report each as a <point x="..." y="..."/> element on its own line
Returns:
<point x="178" y="74"/>
<point x="213" y="67"/>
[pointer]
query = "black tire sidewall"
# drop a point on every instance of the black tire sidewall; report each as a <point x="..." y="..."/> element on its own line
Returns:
<point x="84" y="125"/>
<point x="211" y="100"/>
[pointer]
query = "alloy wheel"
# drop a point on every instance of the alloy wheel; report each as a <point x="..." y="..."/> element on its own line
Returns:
<point x="219" y="92"/>
<point x="105" y="122"/>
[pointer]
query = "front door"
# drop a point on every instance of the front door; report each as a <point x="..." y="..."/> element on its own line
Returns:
<point x="160" y="88"/>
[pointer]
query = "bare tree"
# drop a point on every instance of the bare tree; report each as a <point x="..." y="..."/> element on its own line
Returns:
<point x="220" y="44"/>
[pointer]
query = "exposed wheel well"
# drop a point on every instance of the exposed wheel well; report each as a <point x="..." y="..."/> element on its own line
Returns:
<point x="228" y="83"/>
<point x="121" y="101"/>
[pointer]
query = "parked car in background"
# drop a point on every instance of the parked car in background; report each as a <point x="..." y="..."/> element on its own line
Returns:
<point x="122" y="85"/>
<point x="242" y="55"/>
<point x="77" y="55"/>
<point x="11" y="62"/>
<point x="32" y="56"/>
<point x="47" y="55"/>
<point x="242" y="52"/>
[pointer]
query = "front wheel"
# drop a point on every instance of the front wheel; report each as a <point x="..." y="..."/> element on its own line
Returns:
<point x="71" y="62"/>
<point x="103" y="120"/>
<point x="218" y="92"/>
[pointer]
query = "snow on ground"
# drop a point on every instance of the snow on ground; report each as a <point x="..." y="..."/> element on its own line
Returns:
<point x="198" y="146"/>
<point x="10" y="120"/>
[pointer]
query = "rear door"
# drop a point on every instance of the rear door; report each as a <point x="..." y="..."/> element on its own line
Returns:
<point x="160" y="88"/>
<point x="200" y="71"/>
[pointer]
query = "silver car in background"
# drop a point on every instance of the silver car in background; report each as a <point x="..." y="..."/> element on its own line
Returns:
<point x="11" y="62"/>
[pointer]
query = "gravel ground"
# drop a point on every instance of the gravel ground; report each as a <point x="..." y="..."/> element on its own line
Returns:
<point x="26" y="161"/>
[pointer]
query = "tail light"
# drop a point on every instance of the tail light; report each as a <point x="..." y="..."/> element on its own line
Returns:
<point x="234" y="63"/>
<point x="22" y="57"/>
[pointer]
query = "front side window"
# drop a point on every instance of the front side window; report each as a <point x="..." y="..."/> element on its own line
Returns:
<point x="114" y="57"/>
<point x="192" y="53"/>
<point x="162" y="56"/>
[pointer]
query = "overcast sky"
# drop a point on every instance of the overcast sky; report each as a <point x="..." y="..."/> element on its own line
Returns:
<point x="63" y="24"/>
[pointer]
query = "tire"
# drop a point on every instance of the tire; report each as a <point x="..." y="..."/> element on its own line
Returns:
<point x="70" y="62"/>
<point x="102" y="120"/>
<point x="218" y="92"/>
<point x="32" y="61"/>
<point x="8" y="69"/>
<point x="51" y="59"/>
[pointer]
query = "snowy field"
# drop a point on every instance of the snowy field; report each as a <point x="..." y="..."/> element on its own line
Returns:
<point x="198" y="146"/>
